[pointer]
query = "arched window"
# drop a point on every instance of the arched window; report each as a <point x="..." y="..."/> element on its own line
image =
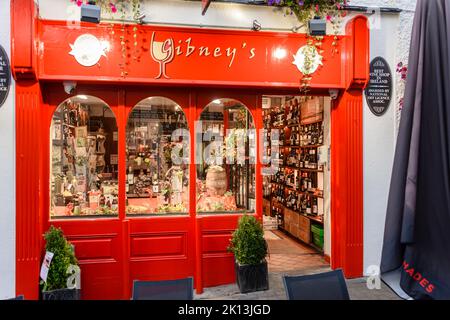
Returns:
<point x="226" y="158"/>
<point x="157" y="157"/>
<point x="83" y="163"/>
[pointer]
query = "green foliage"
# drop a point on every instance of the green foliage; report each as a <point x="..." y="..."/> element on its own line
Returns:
<point x="248" y="243"/>
<point x="63" y="257"/>
<point x="308" y="9"/>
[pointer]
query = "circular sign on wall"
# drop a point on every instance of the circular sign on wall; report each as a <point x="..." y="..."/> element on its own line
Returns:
<point x="88" y="50"/>
<point x="5" y="76"/>
<point x="307" y="59"/>
<point x="379" y="90"/>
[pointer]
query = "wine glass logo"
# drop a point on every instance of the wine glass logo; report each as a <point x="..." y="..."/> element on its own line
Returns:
<point x="163" y="53"/>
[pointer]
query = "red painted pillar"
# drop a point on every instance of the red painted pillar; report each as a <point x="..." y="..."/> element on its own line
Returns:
<point x="347" y="184"/>
<point x="347" y="154"/>
<point x="257" y="111"/>
<point x="28" y="135"/>
<point x="28" y="192"/>
<point x="196" y="221"/>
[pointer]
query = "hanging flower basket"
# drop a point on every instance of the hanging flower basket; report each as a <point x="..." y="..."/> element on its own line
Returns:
<point x="306" y="10"/>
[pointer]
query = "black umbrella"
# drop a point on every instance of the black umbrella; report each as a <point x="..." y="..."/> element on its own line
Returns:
<point x="416" y="248"/>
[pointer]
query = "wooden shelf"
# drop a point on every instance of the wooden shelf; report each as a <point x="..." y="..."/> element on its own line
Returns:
<point x="312" y="245"/>
<point x="314" y="122"/>
<point x="317" y="220"/>
<point x="311" y="146"/>
<point x="302" y="169"/>
<point x="302" y="192"/>
<point x="311" y="170"/>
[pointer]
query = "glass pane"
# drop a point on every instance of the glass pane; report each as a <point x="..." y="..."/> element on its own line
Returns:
<point x="157" y="158"/>
<point x="83" y="149"/>
<point x="226" y="157"/>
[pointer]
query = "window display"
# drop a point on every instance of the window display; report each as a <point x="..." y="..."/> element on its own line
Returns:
<point x="83" y="177"/>
<point x="226" y="157"/>
<point x="157" y="156"/>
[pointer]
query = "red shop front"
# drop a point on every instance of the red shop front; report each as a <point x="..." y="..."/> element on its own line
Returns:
<point x="194" y="67"/>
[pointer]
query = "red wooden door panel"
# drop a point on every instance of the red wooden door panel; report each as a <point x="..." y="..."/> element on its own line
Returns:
<point x="98" y="247"/>
<point x="214" y="238"/>
<point x="161" y="248"/>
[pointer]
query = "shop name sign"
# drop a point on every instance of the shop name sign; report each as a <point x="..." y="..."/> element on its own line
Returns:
<point x="88" y="50"/>
<point x="190" y="56"/>
<point x="379" y="90"/>
<point x="163" y="52"/>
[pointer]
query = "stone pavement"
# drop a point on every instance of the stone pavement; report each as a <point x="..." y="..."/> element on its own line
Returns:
<point x="356" y="287"/>
<point x="289" y="257"/>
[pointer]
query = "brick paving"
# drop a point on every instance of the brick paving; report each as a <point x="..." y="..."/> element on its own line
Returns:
<point x="288" y="257"/>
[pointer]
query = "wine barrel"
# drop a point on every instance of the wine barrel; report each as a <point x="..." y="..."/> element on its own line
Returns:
<point x="216" y="181"/>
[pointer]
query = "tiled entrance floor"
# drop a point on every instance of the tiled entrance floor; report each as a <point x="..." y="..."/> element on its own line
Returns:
<point x="286" y="254"/>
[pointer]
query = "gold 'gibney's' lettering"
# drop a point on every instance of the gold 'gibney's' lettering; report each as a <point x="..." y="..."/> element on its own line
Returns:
<point x="187" y="48"/>
<point x="204" y="51"/>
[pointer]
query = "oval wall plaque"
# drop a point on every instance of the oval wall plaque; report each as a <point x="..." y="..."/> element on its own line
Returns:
<point x="5" y="76"/>
<point x="379" y="90"/>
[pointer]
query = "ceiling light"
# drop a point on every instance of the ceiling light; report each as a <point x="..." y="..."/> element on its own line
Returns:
<point x="280" y="53"/>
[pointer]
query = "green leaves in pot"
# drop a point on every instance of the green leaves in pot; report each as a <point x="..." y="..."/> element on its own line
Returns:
<point x="63" y="258"/>
<point x="248" y="243"/>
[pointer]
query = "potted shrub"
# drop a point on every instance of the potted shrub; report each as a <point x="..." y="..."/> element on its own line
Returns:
<point x="250" y="250"/>
<point x="63" y="270"/>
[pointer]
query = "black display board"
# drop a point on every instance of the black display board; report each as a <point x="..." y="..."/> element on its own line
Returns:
<point x="5" y="76"/>
<point x="379" y="90"/>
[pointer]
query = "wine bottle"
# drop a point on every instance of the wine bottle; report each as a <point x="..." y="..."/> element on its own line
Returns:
<point x="315" y="206"/>
<point x="309" y="136"/>
<point x="320" y="142"/>
<point x="313" y="158"/>
<point x="308" y="206"/>
<point x="302" y="160"/>
<point x="130" y="176"/>
<point x="306" y="161"/>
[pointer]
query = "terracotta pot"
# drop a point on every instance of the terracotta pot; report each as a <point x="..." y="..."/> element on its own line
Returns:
<point x="216" y="181"/>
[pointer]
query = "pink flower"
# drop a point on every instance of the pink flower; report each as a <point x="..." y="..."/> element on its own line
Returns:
<point x="329" y="18"/>
<point x="113" y="7"/>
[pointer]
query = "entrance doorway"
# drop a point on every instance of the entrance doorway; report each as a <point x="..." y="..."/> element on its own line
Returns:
<point x="297" y="182"/>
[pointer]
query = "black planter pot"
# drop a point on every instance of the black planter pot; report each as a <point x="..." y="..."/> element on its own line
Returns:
<point x="61" y="294"/>
<point x="252" y="278"/>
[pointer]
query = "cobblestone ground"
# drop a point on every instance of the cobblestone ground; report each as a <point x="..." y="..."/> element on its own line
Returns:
<point x="288" y="257"/>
